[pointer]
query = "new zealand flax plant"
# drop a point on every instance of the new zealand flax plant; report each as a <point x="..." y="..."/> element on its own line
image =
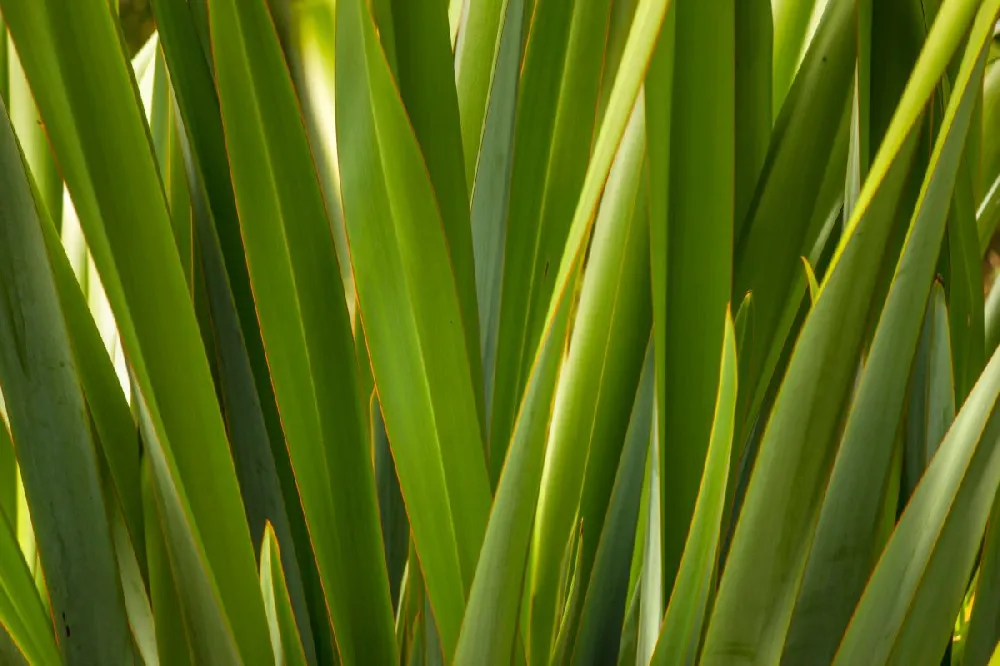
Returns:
<point x="484" y="332"/>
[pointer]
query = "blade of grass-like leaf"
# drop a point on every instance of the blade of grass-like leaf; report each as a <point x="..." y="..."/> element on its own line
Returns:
<point x="491" y="188"/>
<point x="599" y="635"/>
<point x="165" y="132"/>
<point x="897" y="36"/>
<point x="172" y="640"/>
<point x="491" y="618"/>
<point x="619" y="24"/>
<point x="553" y="134"/>
<point x="106" y="402"/>
<point x="659" y="96"/>
<point x="285" y="640"/>
<point x="187" y="54"/>
<point x="133" y="581"/>
<point x="907" y="612"/>
<point x="246" y="426"/>
<point x="90" y="107"/>
<point x="316" y="93"/>
<point x="623" y="366"/>
<point x="931" y="402"/>
<point x="651" y="583"/>
<point x="984" y="627"/>
<point x="989" y="165"/>
<point x="8" y="475"/>
<point x="753" y="98"/>
<point x="992" y="317"/>
<point x="392" y="511"/>
<point x="510" y="529"/>
<point x="847" y="539"/>
<point x="629" y="633"/>
<point x="772" y="237"/>
<point x="426" y="81"/>
<point x="477" y="65"/>
<point x="9" y="652"/>
<point x="602" y="367"/>
<point x="572" y="598"/>
<point x="411" y="312"/>
<point x="307" y="335"/>
<point x="759" y="584"/>
<point x="690" y="599"/>
<point x="31" y="135"/>
<point x="988" y="215"/>
<point x="699" y="244"/>
<point x="4" y="63"/>
<point x="208" y="628"/>
<point x="22" y="616"/>
<point x="48" y="420"/>
<point x="193" y="84"/>
<point x="965" y="283"/>
<point x="791" y="36"/>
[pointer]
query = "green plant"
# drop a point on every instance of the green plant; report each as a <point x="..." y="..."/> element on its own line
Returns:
<point x="499" y="331"/>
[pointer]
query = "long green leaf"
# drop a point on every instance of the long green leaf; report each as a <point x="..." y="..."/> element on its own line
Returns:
<point x="769" y="549"/>
<point x="307" y="335"/>
<point x="659" y="105"/>
<point x="106" y="402"/>
<point x="753" y="98"/>
<point x="32" y="137"/>
<point x="931" y="403"/>
<point x="602" y="368"/>
<point x="553" y="134"/>
<point x="256" y="469"/>
<point x="681" y="631"/>
<point x="908" y="610"/>
<point x="651" y="581"/>
<point x="426" y="80"/>
<point x="48" y="420"/>
<point x="791" y="37"/>
<point x="510" y="534"/>
<point x="172" y="641"/>
<point x="600" y="632"/>
<point x="186" y="51"/>
<point x="491" y="188"/>
<point x="488" y="631"/>
<point x="478" y="62"/>
<point x="795" y="174"/>
<point x="285" y="638"/>
<point x="989" y="166"/>
<point x="8" y="475"/>
<point x="90" y="106"/>
<point x="847" y="537"/>
<point x="412" y="318"/>
<point x="984" y="627"/>
<point x="22" y="616"/>
<point x="700" y="247"/>
<point x="965" y="282"/>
